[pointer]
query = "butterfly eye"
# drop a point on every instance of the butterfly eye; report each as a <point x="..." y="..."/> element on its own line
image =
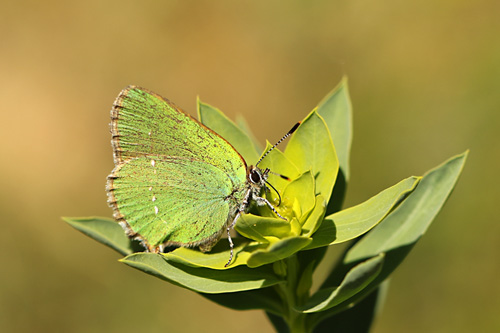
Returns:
<point x="255" y="176"/>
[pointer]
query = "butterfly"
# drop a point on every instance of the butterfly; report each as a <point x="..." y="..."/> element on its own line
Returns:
<point x="176" y="182"/>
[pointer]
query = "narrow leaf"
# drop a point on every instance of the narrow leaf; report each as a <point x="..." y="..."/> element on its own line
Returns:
<point x="398" y="232"/>
<point x="105" y="231"/>
<point x="355" y="281"/>
<point x="278" y="251"/>
<point x="218" y="256"/>
<point x="311" y="148"/>
<point x="262" y="229"/>
<point x="355" y="221"/>
<point x="243" y="125"/>
<point x="336" y="110"/>
<point x="411" y="219"/>
<point x="305" y="281"/>
<point x="358" y="318"/>
<point x="203" y="280"/>
<point x="259" y="299"/>
<point x="315" y="219"/>
<point x="302" y="191"/>
<point x="277" y="162"/>
<point x="278" y="322"/>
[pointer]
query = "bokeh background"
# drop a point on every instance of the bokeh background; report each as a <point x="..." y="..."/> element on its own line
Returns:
<point x="424" y="78"/>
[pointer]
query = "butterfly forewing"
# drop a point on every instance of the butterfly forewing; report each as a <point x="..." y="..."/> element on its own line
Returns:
<point x="144" y="123"/>
<point x="175" y="181"/>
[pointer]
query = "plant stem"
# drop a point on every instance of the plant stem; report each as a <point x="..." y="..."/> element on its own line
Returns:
<point x="288" y="291"/>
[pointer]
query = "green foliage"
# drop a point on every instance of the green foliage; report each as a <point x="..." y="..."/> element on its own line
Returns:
<point x="276" y="259"/>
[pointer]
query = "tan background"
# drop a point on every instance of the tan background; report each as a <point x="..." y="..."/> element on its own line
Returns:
<point x="424" y="79"/>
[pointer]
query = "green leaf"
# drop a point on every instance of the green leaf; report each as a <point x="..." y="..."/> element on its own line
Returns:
<point x="311" y="148"/>
<point x="105" y="231"/>
<point x="410" y="220"/>
<point x="402" y="228"/>
<point x="316" y="255"/>
<point x="203" y="280"/>
<point x="222" y="125"/>
<point x="305" y="281"/>
<point x="315" y="219"/>
<point x="277" y="162"/>
<point x="264" y="299"/>
<point x="336" y="110"/>
<point x="358" y="318"/>
<point x="355" y="221"/>
<point x="243" y="125"/>
<point x="300" y="191"/>
<point x="355" y="281"/>
<point x="263" y="229"/>
<point x="278" y="251"/>
<point x="218" y="256"/>
<point x="278" y="322"/>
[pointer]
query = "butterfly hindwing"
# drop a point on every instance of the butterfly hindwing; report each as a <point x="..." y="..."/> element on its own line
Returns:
<point x="165" y="200"/>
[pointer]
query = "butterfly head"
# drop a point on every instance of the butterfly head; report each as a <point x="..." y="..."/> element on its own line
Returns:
<point x="256" y="177"/>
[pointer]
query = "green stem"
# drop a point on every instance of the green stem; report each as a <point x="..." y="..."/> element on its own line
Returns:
<point x="288" y="291"/>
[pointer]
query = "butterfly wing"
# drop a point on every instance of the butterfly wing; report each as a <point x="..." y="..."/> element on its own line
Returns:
<point x="173" y="200"/>
<point x="175" y="180"/>
<point x="144" y="123"/>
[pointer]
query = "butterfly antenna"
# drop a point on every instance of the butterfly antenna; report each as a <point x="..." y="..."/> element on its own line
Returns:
<point x="281" y="140"/>
<point x="279" y="196"/>
<point x="280" y="175"/>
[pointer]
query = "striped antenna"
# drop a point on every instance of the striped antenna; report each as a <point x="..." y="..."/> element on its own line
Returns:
<point x="281" y="140"/>
<point x="279" y="175"/>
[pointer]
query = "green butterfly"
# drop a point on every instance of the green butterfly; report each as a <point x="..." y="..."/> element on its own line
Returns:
<point x="176" y="182"/>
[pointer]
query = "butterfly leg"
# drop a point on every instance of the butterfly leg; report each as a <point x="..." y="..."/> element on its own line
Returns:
<point x="153" y="249"/>
<point x="231" y="245"/>
<point x="263" y="201"/>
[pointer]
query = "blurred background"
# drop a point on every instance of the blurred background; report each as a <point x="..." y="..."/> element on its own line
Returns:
<point x="424" y="79"/>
